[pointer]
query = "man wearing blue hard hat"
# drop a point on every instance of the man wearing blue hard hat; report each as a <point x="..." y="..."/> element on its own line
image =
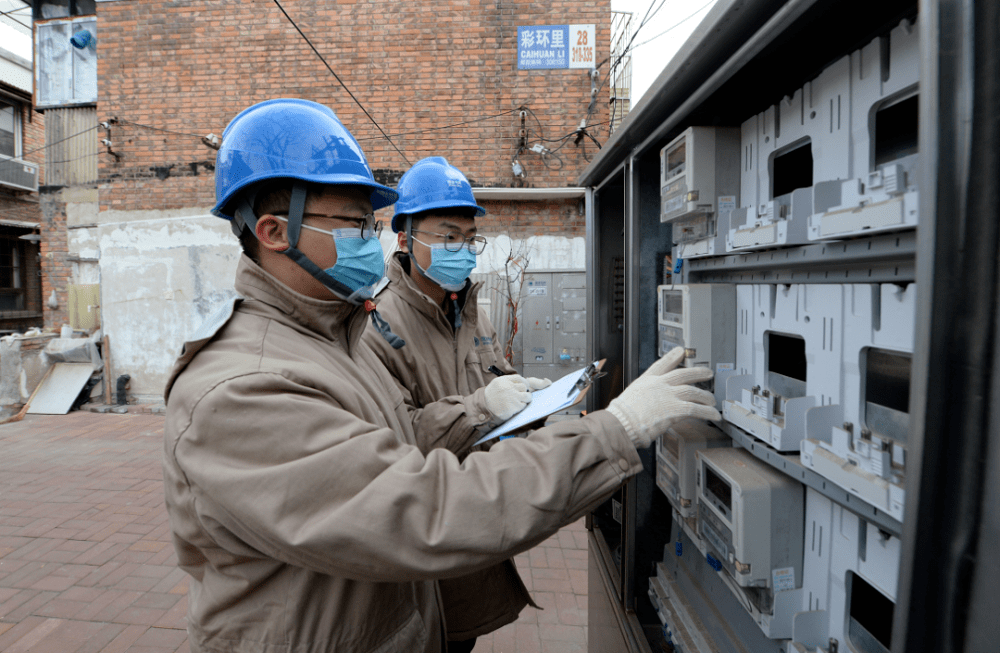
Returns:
<point x="453" y="349"/>
<point x="314" y="510"/>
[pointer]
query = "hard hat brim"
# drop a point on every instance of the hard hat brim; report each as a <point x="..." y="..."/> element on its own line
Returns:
<point x="399" y="218"/>
<point x="381" y="196"/>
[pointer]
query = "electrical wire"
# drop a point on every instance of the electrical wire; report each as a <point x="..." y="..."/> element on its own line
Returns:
<point x="342" y="84"/>
<point x="123" y="121"/>
<point x="675" y="26"/>
<point x="433" y="129"/>
<point x="537" y="121"/>
<point x="15" y="18"/>
<point x="630" y="47"/>
<point x="48" y="145"/>
<point x="645" y="19"/>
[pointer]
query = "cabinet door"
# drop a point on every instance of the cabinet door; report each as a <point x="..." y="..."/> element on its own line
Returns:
<point x="536" y="325"/>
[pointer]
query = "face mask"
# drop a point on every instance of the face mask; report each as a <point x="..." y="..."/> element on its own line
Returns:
<point x="359" y="265"/>
<point x="449" y="269"/>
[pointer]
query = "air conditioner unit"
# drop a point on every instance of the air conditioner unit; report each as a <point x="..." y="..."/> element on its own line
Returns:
<point x="16" y="173"/>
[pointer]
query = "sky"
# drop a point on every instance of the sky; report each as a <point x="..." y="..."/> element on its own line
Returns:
<point x="677" y="18"/>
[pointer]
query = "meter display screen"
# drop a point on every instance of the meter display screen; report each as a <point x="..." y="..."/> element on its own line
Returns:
<point x="675" y="159"/>
<point x="673" y="305"/>
<point x="718" y="488"/>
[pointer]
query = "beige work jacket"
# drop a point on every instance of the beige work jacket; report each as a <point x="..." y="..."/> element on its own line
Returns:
<point x="440" y="361"/>
<point x="313" y="515"/>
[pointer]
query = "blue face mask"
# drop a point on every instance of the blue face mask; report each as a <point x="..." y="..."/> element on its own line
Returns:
<point x="449" y="269"/>
<point x="359" y="265"/>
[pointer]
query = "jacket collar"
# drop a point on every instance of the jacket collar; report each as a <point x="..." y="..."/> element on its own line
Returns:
<point x="332" y="319"/>
<point x="403" y="285"/>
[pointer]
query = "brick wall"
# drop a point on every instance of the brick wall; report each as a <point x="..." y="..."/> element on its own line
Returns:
<point x="519" y="219"/>
<point x="56" y="269"/>
<point x="171" y="73"/>
<point x="21" y="205"/>
<point x="33" y="139"/>
<point x="24" y="206"/>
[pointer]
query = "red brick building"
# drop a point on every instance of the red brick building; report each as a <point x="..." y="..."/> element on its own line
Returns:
<point x="171" y="74"/>
<point x="440" y="77"/>
<point x="22" y="140"/>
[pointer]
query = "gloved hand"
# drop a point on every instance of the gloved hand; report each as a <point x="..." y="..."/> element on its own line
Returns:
<point x="506" y="396"/>
<point x="662" y="396"/>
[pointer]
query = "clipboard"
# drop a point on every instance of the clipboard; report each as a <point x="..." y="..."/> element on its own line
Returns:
<point x="562" y="394"/>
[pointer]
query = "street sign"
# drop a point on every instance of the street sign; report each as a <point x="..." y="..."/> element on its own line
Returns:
<point x="541" y="47"/>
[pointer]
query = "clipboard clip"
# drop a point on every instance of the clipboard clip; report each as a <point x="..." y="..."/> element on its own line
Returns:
<point x="589" y="376"/>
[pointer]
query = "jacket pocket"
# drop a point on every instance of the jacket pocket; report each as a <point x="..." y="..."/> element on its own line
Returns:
<point x="411" y="636"/>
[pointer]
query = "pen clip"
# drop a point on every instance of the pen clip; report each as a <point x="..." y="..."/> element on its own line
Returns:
<point x="589" y="375"/>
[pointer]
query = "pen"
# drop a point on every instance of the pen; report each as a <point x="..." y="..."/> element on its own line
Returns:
<point x="495" y="370"/>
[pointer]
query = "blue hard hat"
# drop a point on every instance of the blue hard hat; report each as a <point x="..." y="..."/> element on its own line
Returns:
<point x="290" y="138"/>
<point x="432" y="183"/>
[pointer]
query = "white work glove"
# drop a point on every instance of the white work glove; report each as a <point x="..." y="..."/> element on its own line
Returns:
<point x="662" y="396"/>
<point x="506" y="396"/>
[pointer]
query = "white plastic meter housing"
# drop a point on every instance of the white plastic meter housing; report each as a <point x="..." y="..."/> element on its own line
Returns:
<point x="695" y="168"/>
<point x="752" y="517"/>
<point x="701" y="318"/>
<point x="676" y="463"/>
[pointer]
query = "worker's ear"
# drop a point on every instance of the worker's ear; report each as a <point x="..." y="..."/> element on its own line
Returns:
<point x="271" y="233"/>
<point x="401" y="241"/>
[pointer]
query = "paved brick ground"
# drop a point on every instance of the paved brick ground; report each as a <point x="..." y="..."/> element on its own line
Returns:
<point x="86" y="564"/>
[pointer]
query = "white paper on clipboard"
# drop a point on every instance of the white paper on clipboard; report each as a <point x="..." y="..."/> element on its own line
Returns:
<point x="558" y="396"/>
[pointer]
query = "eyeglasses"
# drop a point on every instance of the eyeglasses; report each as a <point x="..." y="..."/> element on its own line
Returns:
<point x="454" y="241"/>
<point x="368" y="226"/>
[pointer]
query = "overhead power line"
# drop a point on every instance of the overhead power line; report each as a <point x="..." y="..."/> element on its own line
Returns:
<point x="123" y="121"/>
<point x="48" y="145"/>
<point x="630" y="47"/>
<point x="675" y="25"/>
<point x="454" y="124"/>
<point x="342" y="84"/>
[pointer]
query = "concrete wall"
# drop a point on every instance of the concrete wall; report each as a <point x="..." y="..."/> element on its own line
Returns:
<point x="162" y="274"/>
<point x="22" y="367"/>
<point x="540" y="252"/>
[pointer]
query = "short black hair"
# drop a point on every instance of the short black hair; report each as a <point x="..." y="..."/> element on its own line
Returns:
<point x="274" y="196"/>
<point x="446" y="212"/>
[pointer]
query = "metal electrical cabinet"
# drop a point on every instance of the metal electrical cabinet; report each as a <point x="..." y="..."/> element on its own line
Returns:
<point x="553" y="322"/>
<point x="788" y="203"/>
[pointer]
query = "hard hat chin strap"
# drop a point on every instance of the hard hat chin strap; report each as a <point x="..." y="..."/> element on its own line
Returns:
<point x="295" y="210"/>
<point x="413" y="262"/>
<point x="244" y="217"/>
<point x="409" y="250"/>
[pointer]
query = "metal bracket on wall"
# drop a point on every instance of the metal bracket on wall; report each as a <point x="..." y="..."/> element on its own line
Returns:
<point x="886" y="258"/>
<point x="790" y="464"/>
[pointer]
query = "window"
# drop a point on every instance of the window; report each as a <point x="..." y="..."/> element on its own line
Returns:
<point x="65" y="74"/>
<point x="12" y="274"/>
<point x="64" y="8"/>
<point x="10" y="123"/>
